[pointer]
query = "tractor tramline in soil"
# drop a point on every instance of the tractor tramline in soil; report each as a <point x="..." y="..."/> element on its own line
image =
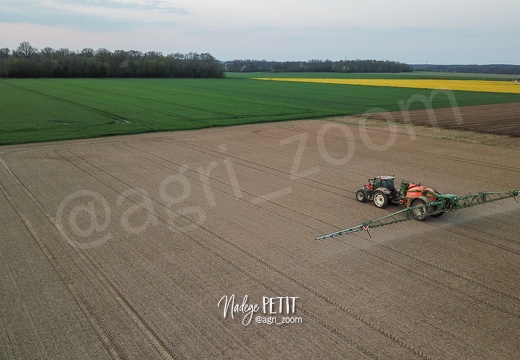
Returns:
<point x="420" y="202"/>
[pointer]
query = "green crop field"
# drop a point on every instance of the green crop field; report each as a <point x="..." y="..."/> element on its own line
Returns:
<point x="33" y="110"/>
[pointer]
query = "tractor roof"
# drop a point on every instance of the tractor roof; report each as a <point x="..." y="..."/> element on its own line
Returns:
<point x="386" y="177"/>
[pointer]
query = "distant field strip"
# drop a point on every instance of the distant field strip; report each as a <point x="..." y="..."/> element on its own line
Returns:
<point x="504" y="87"/>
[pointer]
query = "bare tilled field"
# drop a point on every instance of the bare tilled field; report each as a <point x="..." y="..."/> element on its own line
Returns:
<point x="136" y="247"/>
<point x="502" y="119"/>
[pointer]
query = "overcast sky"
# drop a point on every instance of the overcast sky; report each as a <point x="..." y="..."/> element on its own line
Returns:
<point x="410" y="31"/>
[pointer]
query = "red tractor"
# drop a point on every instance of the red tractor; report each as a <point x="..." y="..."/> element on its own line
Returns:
<point x="381" y="190"/>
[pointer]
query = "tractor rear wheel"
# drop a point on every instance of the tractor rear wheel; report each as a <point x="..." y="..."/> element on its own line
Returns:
<point x="361" y="196"/>
<point x="380" y="199"/>
<point x="420" y="212"/>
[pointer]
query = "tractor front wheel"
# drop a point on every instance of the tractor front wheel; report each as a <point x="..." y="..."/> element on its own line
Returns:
<point x="380" y="199"/>
<point x="361" y="196"/>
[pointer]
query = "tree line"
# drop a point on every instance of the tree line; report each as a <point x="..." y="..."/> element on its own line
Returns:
<point x="342" y="66"/>
<point x="502" y="69"/>
<point x="27" y="61"/>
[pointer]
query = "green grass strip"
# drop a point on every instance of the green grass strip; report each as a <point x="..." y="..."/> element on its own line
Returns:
<point x="34" y="110"/>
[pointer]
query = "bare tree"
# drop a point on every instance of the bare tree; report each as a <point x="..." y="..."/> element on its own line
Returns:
<point x="25" y="50"/>
<point x="88" y="52"/>
<point x="4" y="53"/>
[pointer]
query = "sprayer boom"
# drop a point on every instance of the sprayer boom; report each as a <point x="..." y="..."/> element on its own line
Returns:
<point x="422" y="207"/>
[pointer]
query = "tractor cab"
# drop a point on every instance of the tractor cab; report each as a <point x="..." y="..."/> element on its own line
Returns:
<point x="386" y="182"/>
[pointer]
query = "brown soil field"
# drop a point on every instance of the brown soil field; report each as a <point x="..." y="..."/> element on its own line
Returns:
<point x="502" y="119"/>
<point x="126" y="247"/>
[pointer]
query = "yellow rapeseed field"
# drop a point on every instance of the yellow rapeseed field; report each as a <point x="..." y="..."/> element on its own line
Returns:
<point x="463" y="85"/>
